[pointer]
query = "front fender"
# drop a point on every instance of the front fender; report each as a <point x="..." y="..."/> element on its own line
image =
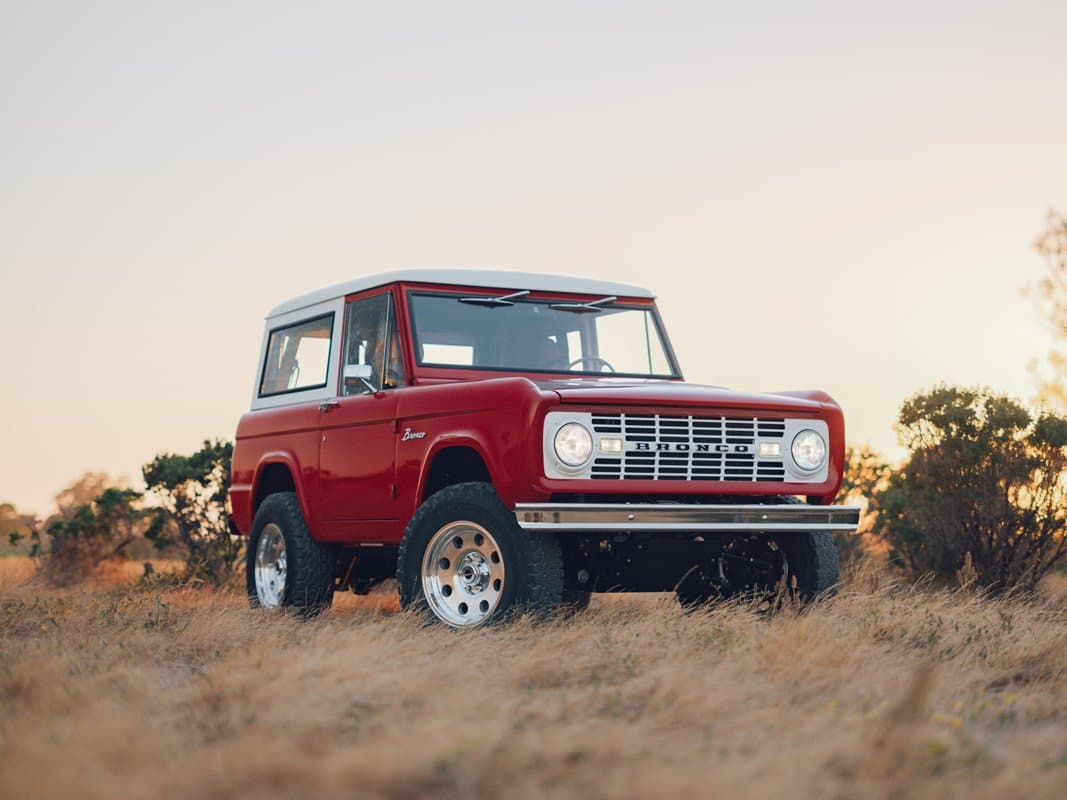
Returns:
<point x="472" y="439"/>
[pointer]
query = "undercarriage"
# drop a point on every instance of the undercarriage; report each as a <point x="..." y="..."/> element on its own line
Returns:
<point x="711" y="564"/>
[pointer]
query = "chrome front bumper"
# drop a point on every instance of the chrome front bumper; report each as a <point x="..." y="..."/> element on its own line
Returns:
<point x="682" y="518"/>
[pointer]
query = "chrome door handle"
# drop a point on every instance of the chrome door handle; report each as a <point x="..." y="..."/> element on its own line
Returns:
<point x="326" y="405"/>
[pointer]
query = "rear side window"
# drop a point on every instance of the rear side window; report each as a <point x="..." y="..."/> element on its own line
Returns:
<point x="298" y="357"/>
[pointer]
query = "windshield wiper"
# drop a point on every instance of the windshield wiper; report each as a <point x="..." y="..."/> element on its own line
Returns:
<point x="592" y="307"/>
<point x="495" y="302"/>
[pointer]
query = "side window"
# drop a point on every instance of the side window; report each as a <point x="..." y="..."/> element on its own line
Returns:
<point x="297" y="357"/>
<point x="371" y="339"/>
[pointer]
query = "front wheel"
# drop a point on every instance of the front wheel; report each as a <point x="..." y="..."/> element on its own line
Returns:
<point x="284" y="566"/>
<point x="465" y="559"/>
<point x="813" y="564"/>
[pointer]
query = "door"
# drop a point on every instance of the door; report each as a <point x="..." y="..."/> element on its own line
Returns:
<point x="357" y="456"/>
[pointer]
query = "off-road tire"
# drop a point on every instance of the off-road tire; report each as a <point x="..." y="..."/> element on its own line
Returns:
<point x="813" y="564"/>
<point x="534" y="561"/>
<point x="310" y="564"/>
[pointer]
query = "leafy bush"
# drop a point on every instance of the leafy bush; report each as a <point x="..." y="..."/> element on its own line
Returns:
<point x="984" y="489"/>
<point x="192" y="514"/>
<point x="89" y="534"/>
<point x="84" y="490"/>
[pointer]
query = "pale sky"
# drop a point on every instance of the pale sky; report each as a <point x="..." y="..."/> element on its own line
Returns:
<point x="822" y="195"/>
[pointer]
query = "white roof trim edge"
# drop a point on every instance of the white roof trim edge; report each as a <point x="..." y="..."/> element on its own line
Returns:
<point x="489" y="279"/>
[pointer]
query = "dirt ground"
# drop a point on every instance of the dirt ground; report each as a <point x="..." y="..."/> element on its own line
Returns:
<point x="885" y="691"/>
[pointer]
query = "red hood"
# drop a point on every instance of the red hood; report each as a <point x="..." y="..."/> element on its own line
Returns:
<point x="628" y="392"/>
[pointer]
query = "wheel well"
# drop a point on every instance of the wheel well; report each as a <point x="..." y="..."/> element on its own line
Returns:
<point x="274" y="478"/>
<point x="455" y="465"/>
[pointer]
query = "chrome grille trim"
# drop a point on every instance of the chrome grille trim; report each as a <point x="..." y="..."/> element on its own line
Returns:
<point x="687" y="448"/>
<point x="683" y="449"/>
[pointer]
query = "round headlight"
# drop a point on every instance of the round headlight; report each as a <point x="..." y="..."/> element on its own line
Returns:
<point x="809" y="450"/>
<point x="574" y="444"/>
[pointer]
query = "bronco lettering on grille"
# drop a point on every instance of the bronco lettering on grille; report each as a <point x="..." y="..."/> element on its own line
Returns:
<point x="684" y="447"/>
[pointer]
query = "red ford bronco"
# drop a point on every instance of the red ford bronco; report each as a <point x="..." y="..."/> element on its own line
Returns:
<point x="504" y="440"/>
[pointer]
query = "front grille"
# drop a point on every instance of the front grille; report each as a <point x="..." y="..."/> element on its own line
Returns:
<point x="677" y="448"/>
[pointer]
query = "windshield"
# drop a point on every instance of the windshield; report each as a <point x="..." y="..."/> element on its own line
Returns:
<point x="538" y="336"/>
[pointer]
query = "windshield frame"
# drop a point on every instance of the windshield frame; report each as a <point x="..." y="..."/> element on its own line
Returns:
<point x="451" y="372"/>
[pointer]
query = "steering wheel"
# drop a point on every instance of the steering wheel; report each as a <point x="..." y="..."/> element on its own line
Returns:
<point x="597" y="363"/>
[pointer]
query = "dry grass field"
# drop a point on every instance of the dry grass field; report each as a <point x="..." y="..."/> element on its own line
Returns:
<point x="886" y="691"/>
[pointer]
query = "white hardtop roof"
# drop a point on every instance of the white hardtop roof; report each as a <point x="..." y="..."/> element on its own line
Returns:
<point x="484" y="278"/>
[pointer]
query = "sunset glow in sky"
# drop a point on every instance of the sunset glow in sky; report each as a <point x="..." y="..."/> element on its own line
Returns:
<point x="821" y="196"/>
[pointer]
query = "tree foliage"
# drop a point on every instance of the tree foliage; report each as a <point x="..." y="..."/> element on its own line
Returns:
<point x="83" y="492"/>
<point x="985" y="477"/>
<point x="1051" y="293"/>
<point x="866" y="474"/>
<point x="192" y="513"/>
<point x="92" y="532"/>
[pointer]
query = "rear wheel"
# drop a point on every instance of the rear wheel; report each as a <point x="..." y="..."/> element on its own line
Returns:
<point x="284" y="566"/>
<point x="465" y="559"/>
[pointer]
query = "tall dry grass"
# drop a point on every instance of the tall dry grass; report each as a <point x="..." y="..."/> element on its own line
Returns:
<point x="884" y="691"/>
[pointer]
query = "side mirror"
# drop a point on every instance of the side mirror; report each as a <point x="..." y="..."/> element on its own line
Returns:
<point x="358" y="373"/>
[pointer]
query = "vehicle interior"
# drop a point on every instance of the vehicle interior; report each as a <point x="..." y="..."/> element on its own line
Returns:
<point x="537" y="336"/>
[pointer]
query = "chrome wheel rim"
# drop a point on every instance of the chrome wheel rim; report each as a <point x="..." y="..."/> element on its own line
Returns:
<point x="462" y="574"/>
<point x="270" y="566"/>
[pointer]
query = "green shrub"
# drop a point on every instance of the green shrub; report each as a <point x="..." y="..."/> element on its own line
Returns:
<point x="985" y="484"/>
<point x="192" y="515"/>
<point x="89" y="534"/>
